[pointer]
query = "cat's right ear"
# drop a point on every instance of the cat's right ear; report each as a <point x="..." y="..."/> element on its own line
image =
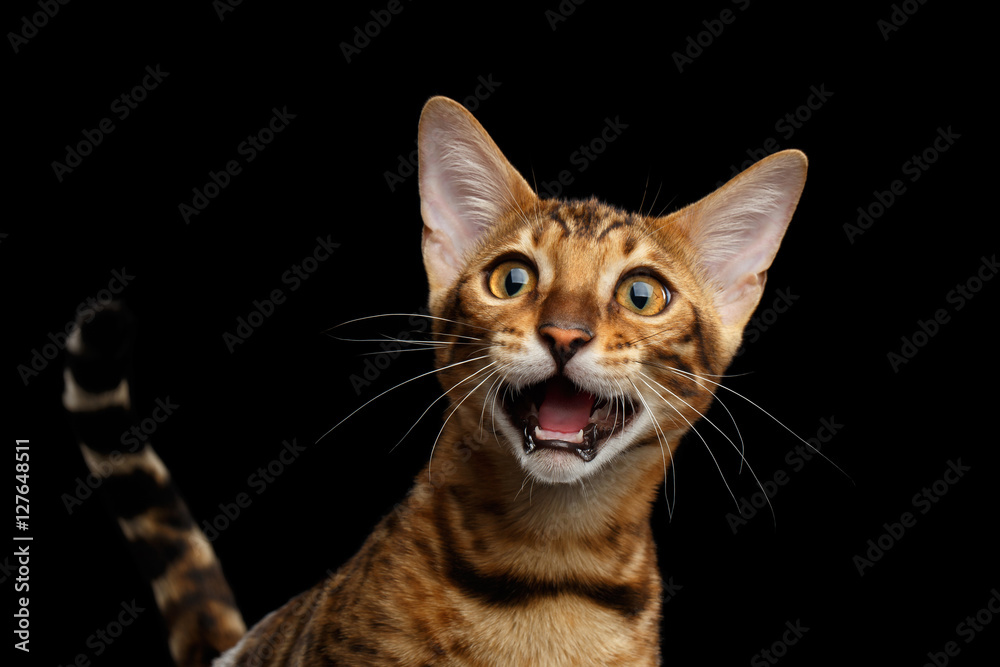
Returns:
<point x="466" y="185"/>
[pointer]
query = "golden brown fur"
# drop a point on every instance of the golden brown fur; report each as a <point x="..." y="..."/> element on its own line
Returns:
<point x="501" y="557"/>
<point x="174" y="553"/>
<point x="575" y="343"/>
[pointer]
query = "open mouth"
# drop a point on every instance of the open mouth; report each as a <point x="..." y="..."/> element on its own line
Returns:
<point x="556" y="414"/>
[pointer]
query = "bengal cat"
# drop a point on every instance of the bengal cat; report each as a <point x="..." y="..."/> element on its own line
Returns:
<point x="576" y="344"/>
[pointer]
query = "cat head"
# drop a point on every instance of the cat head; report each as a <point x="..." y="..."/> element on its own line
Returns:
<point x="578" y="332"/>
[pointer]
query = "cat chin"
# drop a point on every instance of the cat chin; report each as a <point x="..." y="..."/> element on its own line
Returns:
<point x="560" y="432"/>
<point x="557" y="462"/>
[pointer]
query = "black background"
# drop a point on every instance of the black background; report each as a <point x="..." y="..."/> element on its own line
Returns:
<point x="554" y="84"/>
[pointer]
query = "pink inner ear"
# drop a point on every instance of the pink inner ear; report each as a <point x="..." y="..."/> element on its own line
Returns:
<point x="466" y="185"/>
<point x="738" y="229"/>
<point x="742" y="271"/>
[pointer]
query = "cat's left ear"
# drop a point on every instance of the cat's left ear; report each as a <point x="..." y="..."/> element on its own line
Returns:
<point x="466" y="186"/>
<point x="737" y="229"/>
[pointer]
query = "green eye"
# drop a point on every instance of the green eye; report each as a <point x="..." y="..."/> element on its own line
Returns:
<point x="511" y="279"/>
<point x="641" y="294"/>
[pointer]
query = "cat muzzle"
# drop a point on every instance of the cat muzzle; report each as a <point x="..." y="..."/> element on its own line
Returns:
<point x="557" y="415"/>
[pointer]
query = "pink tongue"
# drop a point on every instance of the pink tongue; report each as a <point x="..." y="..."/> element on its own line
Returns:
<point x="564" y="409"/>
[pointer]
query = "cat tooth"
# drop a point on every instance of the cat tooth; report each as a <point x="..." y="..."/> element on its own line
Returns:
<point x="529" y="442"/>
<point x="572" y="438"/>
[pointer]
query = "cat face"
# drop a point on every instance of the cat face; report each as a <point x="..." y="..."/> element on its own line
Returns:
<point x="577" y="332"/>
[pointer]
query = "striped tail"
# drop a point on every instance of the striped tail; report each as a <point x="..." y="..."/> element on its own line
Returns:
<point x="192" y="593"/>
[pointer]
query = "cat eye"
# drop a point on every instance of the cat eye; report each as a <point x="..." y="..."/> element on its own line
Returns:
<point x="512" y="278"/>
<point x="642" y="294"/>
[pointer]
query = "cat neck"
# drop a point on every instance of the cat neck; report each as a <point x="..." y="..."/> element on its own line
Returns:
<point x="486" y="507"/>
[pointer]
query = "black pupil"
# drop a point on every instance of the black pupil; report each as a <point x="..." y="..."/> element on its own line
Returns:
<point x="640" y="294"/>
<point x="515" y="280"/>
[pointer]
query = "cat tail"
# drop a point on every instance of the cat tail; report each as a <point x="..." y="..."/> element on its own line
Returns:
<point x="190" y="590"/>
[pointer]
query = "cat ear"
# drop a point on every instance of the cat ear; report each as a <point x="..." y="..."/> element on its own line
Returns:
<point x="737" y="230"/>
<point x="466" y="185"/>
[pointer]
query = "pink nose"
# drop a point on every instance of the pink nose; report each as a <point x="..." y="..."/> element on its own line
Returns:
<point x="563" y="343"/>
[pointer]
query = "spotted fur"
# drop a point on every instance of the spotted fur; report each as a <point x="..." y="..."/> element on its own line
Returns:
<point x="188" y="585"/>
<point x="513" y="548"/>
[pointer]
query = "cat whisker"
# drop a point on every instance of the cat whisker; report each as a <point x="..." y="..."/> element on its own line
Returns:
<point x="703" y="441"/>
<point x="431" y="372"/>
<point x="428" y="408"/>
<point x="655" y="197"/>
<point x="700" y="414"/>
<point x="409" y="341"/>
<point x="455" y="409"/>
<point x="480" y="349"/>
<point x="665" y="206"/>
<point x="698" y="433"/>
<point x="493" y="407"/>
<point x="672" y="469"/>
<point x="780" y="423"/>
<point x="429" y="317"/>
<point x="523" y="484"/>
<point x="482" y="414"/>
<point x="655" y="333"/>
<point x="645" y="189"/>
<point x="658" y="432"/>
<point x="731" y="417"/>
<point x="655" y="228"/>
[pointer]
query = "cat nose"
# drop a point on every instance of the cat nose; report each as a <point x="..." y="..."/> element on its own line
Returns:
<point x="564" y="342"/>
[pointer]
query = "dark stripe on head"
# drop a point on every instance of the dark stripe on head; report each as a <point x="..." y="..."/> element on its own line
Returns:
<point x="556" y="216"/>
<point x="707" y="354"/>
<point x="629" y="245"/>
<point x="586" y="217"/>
<point x="613" y="225"/>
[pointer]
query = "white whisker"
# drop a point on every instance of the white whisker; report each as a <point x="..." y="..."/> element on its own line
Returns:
<point x="445" y="393"/>
<point x="450" y="414"/>
<point x="431" y="372"/>
<point x="430" y="317"/>
<point x="800" y="438"/>
<point x="712" y="424"/>
<point x="704" y="442"/>
<point x="657" y="431"/>
<point x="733" y="418"/>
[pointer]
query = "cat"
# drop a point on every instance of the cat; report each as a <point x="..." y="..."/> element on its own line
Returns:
<point x="576" y="344"/>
